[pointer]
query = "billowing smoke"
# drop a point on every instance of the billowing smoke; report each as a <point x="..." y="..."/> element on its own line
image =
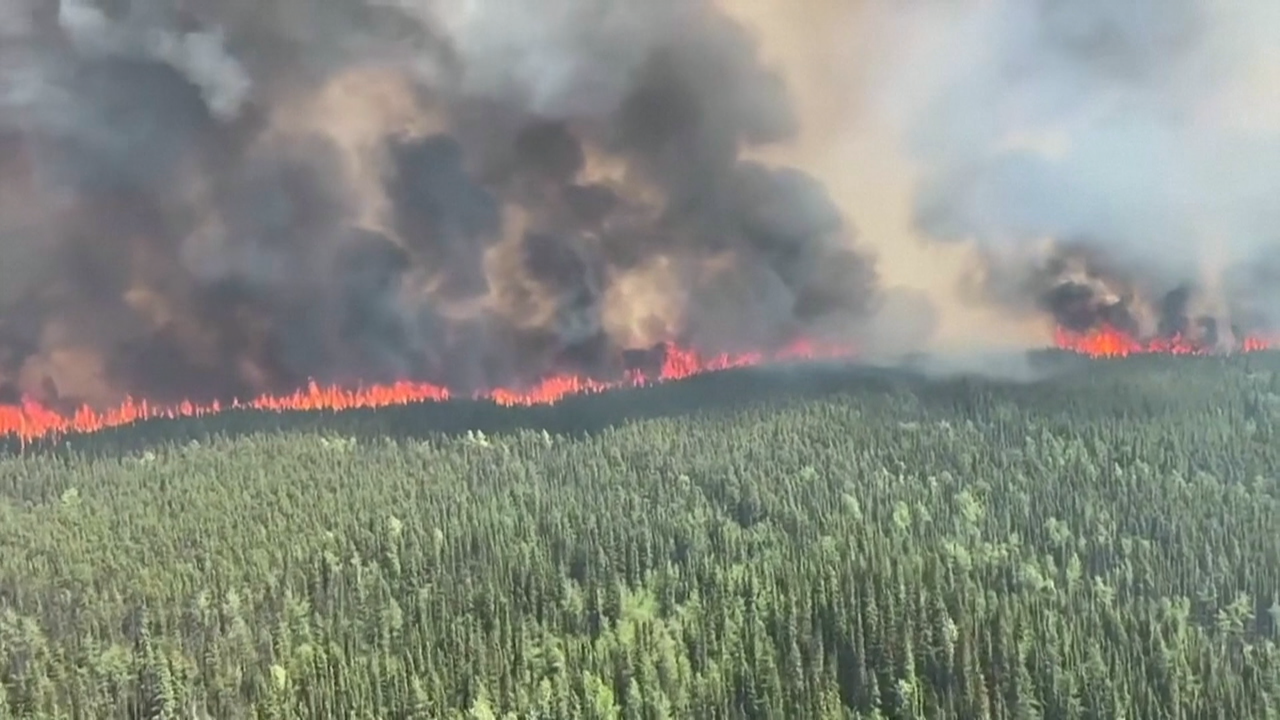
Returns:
<point x="221" y="198"/>
<point x="1113" y="161"/>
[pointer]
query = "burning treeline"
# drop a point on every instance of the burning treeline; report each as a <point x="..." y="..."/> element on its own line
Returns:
<point x="204" y="200"/>
<point x="1111" y="163"/>
<point x="208" y="199"/>
<point x="1100" y="310"/>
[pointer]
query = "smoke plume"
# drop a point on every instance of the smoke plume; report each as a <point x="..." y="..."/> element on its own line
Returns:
<point x="212" y="199"/>
<point x="1111" y="161"/>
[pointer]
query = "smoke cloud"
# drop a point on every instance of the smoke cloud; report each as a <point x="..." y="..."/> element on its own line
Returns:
<point x="1110" y="161"/>
<point x="213" y="199"/>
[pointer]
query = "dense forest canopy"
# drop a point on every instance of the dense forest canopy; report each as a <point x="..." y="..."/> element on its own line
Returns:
<point x="811" y="543"/>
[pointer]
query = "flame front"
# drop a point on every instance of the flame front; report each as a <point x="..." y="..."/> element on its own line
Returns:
<point x="30" y="420"/>
<point x="1108" y="341"/>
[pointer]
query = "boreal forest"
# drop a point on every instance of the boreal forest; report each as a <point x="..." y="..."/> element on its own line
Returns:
<point x="803" y="541"/>
<point x="639" y="360"/>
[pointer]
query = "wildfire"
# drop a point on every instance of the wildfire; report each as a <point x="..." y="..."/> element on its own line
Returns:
<point x="30" y="420"/>
<point x="1110" y="342"/>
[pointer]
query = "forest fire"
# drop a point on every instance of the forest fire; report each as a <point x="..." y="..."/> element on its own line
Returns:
<point x="1108" y="341"/>
<point x="29" y="420"/>
<point x="448" y="204"/>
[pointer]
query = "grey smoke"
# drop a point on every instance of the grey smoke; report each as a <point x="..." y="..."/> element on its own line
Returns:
<point x="144" y="32"/>
<point x="560" y="59"/>
<point x="197" y="212"/>
<point x="1142" y="130"/>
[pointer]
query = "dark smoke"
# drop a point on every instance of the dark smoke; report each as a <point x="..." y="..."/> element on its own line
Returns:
<point x="186" y="211"/>
<point x="1083" y="291"/>
<point x="1112" y="160"/>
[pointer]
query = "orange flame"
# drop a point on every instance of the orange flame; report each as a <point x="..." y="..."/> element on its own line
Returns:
<point x="30" y="420"/>
<point x="1108" y="341"/>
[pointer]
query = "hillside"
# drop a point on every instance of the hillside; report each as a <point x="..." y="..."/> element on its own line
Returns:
<point x="823" y="541"/>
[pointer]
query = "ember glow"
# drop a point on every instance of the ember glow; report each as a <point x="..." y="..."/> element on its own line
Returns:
<point x="29" y="420"/>
<point x="1109" y="342"/>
